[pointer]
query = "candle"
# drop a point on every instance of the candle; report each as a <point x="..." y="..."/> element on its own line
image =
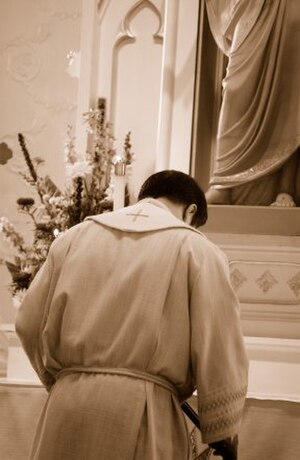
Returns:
<point x="119" y="184"/>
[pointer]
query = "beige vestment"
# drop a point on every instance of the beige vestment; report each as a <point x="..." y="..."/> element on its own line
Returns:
<point x="133" y="296"/>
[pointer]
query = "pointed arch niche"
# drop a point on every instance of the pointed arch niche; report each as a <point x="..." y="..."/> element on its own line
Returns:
<point x="135" y="84"/>
<point x="122" y="53"/>
<point x="140" y="56"/>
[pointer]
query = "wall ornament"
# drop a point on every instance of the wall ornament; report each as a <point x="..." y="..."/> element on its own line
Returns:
<point x="125" y="32"/>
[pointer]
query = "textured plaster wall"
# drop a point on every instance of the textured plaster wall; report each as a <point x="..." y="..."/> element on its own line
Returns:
<point x="38" y="97"/>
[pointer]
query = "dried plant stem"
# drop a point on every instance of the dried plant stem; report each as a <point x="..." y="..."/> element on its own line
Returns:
<point x="78" y="199"/>
<point x="29" y="163"/>
<point x="27" y="157"/>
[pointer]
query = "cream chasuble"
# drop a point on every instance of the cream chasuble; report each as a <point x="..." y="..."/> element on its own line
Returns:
<point x="132" y="311"/>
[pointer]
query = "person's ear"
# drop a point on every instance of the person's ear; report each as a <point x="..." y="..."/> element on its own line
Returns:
<point x="189" y="213"/>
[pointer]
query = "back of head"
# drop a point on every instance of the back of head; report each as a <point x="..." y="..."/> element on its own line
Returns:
<point x="178" y="187"/>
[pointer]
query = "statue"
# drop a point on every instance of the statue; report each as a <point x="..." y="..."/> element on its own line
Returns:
<point x="257" y="159"/>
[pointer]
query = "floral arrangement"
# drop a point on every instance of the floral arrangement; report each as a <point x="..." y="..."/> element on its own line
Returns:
<point x="88" y="191"/>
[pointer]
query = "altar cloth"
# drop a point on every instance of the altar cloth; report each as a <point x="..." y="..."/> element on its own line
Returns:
<point x="271" y="423"/>
<point x="270" y="428"/>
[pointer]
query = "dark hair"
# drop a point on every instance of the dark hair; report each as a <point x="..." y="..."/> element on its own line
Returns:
<point x="178" y="187"/>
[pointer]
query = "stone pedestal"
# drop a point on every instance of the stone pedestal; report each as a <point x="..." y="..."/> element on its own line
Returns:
<point x="263" y="248"/>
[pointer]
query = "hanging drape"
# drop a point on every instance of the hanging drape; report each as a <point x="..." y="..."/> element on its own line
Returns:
<point x="258" y="127"/>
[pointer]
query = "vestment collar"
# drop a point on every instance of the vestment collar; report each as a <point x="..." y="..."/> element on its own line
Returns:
<point x="146" y="215"/>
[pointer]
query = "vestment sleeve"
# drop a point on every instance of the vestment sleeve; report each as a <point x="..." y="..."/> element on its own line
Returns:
<point x="31" y="318"/>
<point x="219" y="360"/>
<point x="34" y="310"/>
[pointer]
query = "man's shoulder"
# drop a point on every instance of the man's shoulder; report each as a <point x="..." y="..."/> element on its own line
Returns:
<point x="69" y="234"/>
<point x="200" y="242"/>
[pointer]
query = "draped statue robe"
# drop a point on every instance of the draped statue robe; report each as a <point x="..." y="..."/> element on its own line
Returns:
<point x="132" y="311"/>
<point x="258" y="129"/>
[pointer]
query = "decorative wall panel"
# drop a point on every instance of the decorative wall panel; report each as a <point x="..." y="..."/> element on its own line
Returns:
<point x="266" y="282"/>
<point x="38" y="98"/>
<point x="265" y="273"/>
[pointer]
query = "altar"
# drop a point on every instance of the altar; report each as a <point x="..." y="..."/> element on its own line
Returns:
<point x="20" y="406"/>
<point x="271" y="422"/>
<point x="270" y="428"/>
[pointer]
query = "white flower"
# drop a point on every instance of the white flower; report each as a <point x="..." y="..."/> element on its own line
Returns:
<point x="42" y="215"/>
<point x="54" y="200"/>
<point x="79" y="169"/>
<point x="57" y="233"/>
<point x="46" y="197"/>
<point x="3" y="223"/>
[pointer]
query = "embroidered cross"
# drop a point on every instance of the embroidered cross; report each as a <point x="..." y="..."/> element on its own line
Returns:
<point x="138" y="214"/>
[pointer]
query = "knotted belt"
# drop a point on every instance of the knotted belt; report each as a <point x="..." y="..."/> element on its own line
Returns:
<point x="158" y="380"/>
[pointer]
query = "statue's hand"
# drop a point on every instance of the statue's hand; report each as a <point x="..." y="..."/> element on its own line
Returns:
<point x="284" y="200"/>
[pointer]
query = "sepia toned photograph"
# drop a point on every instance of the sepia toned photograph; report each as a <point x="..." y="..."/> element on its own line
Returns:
<point x="149" y="230"/>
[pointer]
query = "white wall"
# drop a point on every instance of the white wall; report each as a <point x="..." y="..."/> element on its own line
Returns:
<point x="38" y="98"/>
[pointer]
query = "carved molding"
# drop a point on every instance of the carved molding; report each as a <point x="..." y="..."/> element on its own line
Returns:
<point x="265" y="273"/>
<point x="294" y="283"/>
<point x="125" y="33"/>
<point x="248" y="223"/>
<point x="271" y="313"/>
<point x="273" y="345"/>
<point x="125" y="36"/>
<point x="266" y="282"/>
<point x="168" y="84"/>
